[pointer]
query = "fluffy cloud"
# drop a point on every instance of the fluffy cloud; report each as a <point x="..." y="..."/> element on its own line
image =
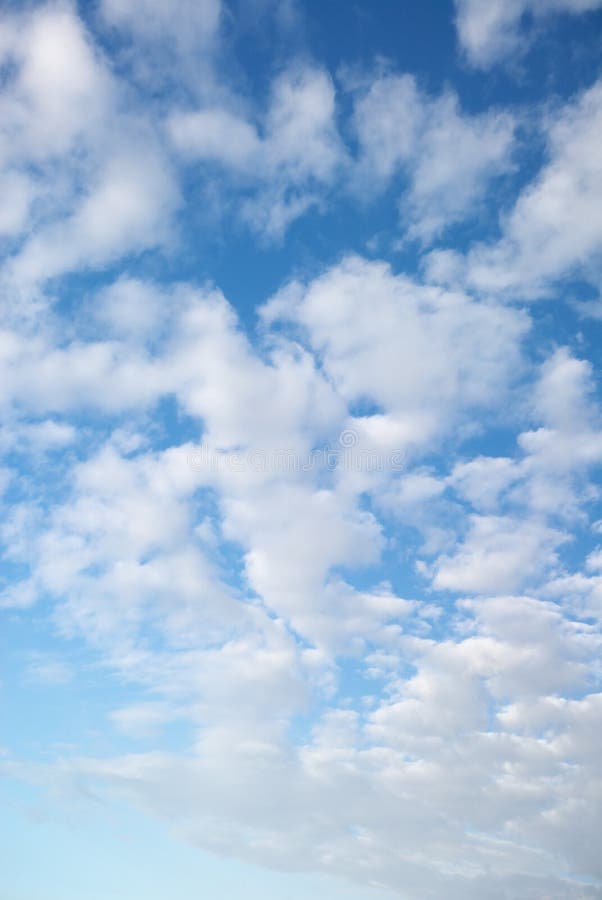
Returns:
<point x="127" y="209"/>
<point x="498" y="555"/>
<point x="490" y="32"/>
<point x="554" y="228"/>
<point x="449" y="157"/>
<point x="544" y="489"/>
<point x="59" y="86"/>
<point x="186" y="21"/>
<point x="166" y="46"/>
<point x="404" y="347"/>
<point x="340" y="564"/>
<point x="228" y="596"/>
<point x="87" y="176"/>
<point x="133" y="551"/>
<point x="57" y="93"/>
<point x="295" y="150"/>
<point x="430" y="790"/>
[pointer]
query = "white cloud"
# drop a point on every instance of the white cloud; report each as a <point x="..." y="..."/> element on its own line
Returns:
<point x="18" y="193"/>
<point x="131" y="555"/>
<point x="60" y="86"/>
<point x="334" y="719"/>
<point x="560" y="455"/>
<point x="563" y="394"/>
<point x="579" y="591"/>
<point x="554" y="228"/>
<point x="167" y="45"/>
<point x="132" y="310"/>
<point x="36" y="437"/>
<point x="40" y="377"/>
<point x="403" y="346"/>
<point x="191" y="23"/>
<point x="127" y="209"/>
<point x="481" y="481"/>
<point x="389" y="117"/>
<point x="83" y="169"/>
<point x="289" y="156"/>
<point x="490" y="32"/>
<point x="216" y="134"/>
<point x="498" y="555"/>
<point x="432" y="789"/>
<point x="448" y="156"/>
<point x="299" y="138"/>
<point x="293" y="536"/>
<point x="58" y="91"/>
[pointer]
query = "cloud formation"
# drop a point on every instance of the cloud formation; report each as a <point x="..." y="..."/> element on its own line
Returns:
<point x="491" y="32"/>
<point x="288" y="463"/>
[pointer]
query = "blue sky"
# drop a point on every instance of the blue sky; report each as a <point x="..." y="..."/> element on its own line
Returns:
<point x="301" y="520"/>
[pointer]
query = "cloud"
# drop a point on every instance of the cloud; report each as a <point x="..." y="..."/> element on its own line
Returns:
<point x="545" y="489"/>
<point x="289" y="157"/>
<point x="387" y="672"/>
<point x="403" y="346"/>
<point x="53" y="103"/>
<point x="449" y="157"/>
<point x="126" y="211"/>
<point x="335" y="726"/>
<point x="217" y="134"/>
<point x="53" y="95"/>
<point x="87" y="176"/>
<point x="498" y="555"/>
<point x="491" y="32"/>
<point x="187" y="22"/>
<point x="40" y="377"/>
<point x="18" y="192"/>
<point x="553" y="229"/>
<point x="166" y="46"/>
<point x="481" y="481"/>
<point x="431" y="789"/>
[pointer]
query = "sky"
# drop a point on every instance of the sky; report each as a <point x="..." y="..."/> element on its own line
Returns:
<point x="301" y="444"/>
